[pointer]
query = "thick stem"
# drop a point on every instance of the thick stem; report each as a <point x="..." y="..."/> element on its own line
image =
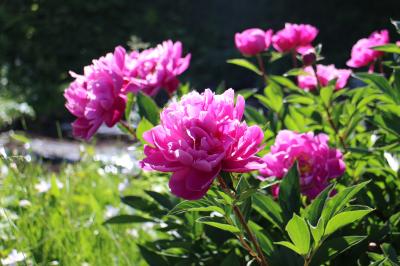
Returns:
<point x="128" y="128"/>
<point x="259" y="255"/>
<point x="262" y="68"/>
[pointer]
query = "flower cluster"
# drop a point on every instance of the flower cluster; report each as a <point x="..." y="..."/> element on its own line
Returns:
<point x="317" y="163"/>
<point x="99" y="95"/>
<point x="294" y="37"/>
<point x="325" y="74"/>
<point x="200" y="136"/>
<point x="363" y="55"/>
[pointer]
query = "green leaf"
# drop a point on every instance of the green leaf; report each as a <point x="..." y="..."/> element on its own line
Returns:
<point x="264" y="240"/>
<point x="299" y="99"/>
<point x="289" y="193"/>
<point x="139" y="203"/>
<point x="396" y="24"/>
<point x="283" y="81"/>
<point x="161" y="199"/>
<point x="218" y="223"/>
<point x="336" y="203"/>
<point x="332" y="247"/>
<point x="187" y="205"/>
<point x="151" y="257"/>
<point x="326" y="95"/>
<point x="231" y="260"/>
<point x="299" y="233"/>
<point x="390" y="253"/>
<point x="268" y="208"/>
<point x="130" y="98"/>
<point x="289" y="245"/>
<point x="317" y="231"/>
<point x="246" y="93"/>
<point x="314" y="210"/>
<point x="253" y="114"/>
<point x="147" y="108"/>
<point x="388" y="48"/>
<point x="143" y="126"/>
<point x="20" y="138"/>
<point x="246" y="64"/>
<point x="296" y="72"/>
<point x="381" y="83"/>
<point x="344" y="218"/>
<point x="123" y="219"/>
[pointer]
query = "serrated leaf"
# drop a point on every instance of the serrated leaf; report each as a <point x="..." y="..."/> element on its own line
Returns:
<point x="245" y="64"/>
<point x="147" y="108"/>
<point x="299" y="233"/>
<point x="289" y="193"/>
<point x="344" y="218"/>
<point x="218" y="223"/>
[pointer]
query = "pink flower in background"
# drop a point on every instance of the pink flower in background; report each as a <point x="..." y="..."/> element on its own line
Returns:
<point x="325" y="74"/>
<point x="294" y="37"/>
<point x="158" y="67"/>
<point x="317" y="163"/>
<point x="97" y="96"/>
<point x="200" y="136"/>
<point x="362" y="54"/>
<point x="253" y="41"/>
<point x="398" y="43"/>
<point x="95" y="99"/>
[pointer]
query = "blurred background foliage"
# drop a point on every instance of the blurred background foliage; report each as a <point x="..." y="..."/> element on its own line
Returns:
<point x="41" y="40"/>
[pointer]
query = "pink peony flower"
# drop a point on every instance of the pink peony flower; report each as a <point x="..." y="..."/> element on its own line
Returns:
<point x="362" y="54"/>
<point x="325" y="74"/>
<point x="294" y="37"/>
<point x="317" y="163"/>
<point x="398" y="43"/>
<point x="98" y="95"/>
<point x="253" y="41"/>
<point x="158" y="67"/>
<point x="200" y="136"/>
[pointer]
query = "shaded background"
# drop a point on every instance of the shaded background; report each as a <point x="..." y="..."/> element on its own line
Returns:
<point x="41" y="40"/>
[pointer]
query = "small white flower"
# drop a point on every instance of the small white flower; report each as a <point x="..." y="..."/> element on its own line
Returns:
<point x="54" y="262"/>
<point x="216" y="214"/>
<point x="111" y="211"/>
<point x="60" y="185"/>
<point x="43" y="186"/>
<point x="24" y="203"/>
<point x="123" y="185"/>
<point x="374" y="138"/>
<point x="133" y="232"/>
<point x="392" y="161"/>
<point x="14" y="257"/>
<point x="85" y="264"/>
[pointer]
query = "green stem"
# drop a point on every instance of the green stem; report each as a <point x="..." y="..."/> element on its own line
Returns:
<point x="128" y="128"/>
<point x="262" y="68"/>
<point x="259" y="255"/>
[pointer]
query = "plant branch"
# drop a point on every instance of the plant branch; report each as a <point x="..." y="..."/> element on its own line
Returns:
<point x="262" y="68"/>
<point x="259" y="255"/>
<point x="128" y="128"/>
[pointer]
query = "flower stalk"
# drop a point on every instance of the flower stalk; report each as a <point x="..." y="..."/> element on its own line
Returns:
<point x="259" y="255"/>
